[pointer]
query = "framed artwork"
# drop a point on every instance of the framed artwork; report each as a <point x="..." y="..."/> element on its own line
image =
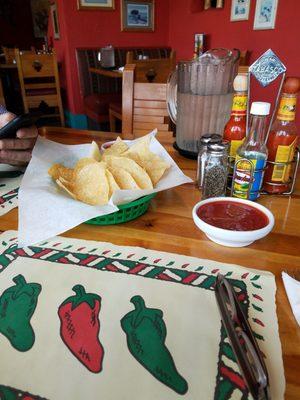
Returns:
<point x="54" y="16"/>
<point x="213" y="4"/>
<point x="39" y="11"/>
<point x="265" y="14"/>
<point x="137" y="15"/>
<point x="96" y="4"/>
<point x="240" y="10"/>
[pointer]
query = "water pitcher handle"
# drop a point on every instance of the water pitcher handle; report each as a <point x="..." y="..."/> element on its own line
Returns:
<point x="172" y="96"/>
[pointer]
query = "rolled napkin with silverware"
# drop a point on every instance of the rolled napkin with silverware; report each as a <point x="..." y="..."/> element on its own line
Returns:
<point x="292" y="288"/>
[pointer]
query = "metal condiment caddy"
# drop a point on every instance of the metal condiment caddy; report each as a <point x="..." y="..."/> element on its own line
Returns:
<point x="266" y="69"/>
<point x="292" y="181"/>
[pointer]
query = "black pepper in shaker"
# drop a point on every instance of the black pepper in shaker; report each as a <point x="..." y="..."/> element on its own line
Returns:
<point x="215" y="171"/>
<point x="205" y="140"/>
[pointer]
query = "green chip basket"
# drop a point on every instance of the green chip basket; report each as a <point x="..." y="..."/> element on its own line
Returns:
<point x="127" y="212"/>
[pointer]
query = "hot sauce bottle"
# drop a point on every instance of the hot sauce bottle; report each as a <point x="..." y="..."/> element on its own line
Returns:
<point x="252" y="155"/>
<point x="282" y="139"/>
<point x="235" y="129"/>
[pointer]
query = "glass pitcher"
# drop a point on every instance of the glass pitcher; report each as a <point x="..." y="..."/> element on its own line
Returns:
<point x="199" y="97"/>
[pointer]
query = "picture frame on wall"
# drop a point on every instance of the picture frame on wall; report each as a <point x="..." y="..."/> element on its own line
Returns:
<point x="240" y="10"/>
<point x="213" y="4"/>
<point x="54" y="17"/>
<point x="95" y="4"/>
<point x="265" y="14"/>
<point x="137" y="15"/>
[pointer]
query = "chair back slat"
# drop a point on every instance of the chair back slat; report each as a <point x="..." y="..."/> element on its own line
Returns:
<point x="162" y="112"/>
<point x="152" y="91"/>
<point x="37" y="65"/>
<point x="148" y="118"/>
<point x="149" y="104"/>
<point x="150" y="126"/>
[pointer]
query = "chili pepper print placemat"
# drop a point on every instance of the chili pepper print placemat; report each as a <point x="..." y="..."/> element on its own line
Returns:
<point x="9" y="188"/>
<point x="86" y="320"/>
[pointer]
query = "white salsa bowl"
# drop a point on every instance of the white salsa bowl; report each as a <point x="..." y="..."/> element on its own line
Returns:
<point x="233" y="238"/>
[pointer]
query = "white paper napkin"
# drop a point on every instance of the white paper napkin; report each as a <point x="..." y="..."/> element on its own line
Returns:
<point x="292" y="287"/>
<point x="45" y="211"/>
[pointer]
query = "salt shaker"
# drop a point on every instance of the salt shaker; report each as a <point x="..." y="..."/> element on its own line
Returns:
<point x="205" y="140"/>
<point x="215" y="171"/>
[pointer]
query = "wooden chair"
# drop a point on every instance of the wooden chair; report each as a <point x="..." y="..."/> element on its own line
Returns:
<point x="153" y="70"/>
<point x="39" y="81"/>
<point x="144" y="106"/>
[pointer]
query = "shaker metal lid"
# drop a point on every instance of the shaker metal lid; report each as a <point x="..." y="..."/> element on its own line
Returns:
<point x="218" y="148"/>
<point x="210" y="138"/>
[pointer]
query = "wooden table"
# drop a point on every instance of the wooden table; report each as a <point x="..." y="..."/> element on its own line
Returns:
<point x="168" y="226"/>
<point x="112" y="73"/>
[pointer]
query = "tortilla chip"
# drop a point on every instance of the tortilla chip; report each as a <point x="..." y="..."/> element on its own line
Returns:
<point x="53" y="171"/>
<point x="111" y="183"/>
<point x="95" y="152"/>
<point x="91" y="185"/>
<point x="123" y="178"/>
<point x="82" y="162"/>
<point x="136" y="171"/>
<point x="117" y="148"/>
<point x="59" y="170"/>
<point x="66" y="186"/>
<point x="154" y="165"/>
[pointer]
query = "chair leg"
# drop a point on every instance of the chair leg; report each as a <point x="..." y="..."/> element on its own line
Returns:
<point x="2" y="99"/>
<point x="62" y="116"/>
<point x="112" y="121"/>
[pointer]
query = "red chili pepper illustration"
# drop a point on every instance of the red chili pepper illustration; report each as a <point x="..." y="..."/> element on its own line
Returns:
<point x="80" y="326"/>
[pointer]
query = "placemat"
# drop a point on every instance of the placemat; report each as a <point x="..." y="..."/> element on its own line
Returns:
<point x="85" y="320"/>
<point x="9" y="188"/>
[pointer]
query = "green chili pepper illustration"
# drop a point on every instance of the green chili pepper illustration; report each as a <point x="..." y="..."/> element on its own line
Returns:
<point x="17" y="305"/>
<point x="146" y="333"/>
<point x="7" y="393"/>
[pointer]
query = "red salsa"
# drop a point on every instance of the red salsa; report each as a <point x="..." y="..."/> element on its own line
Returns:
<point x="232" y="215"/>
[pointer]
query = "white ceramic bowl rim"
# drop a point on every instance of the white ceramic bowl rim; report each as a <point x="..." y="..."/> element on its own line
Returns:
<point x="110" y="143"/>
<point x="238" y="235"/>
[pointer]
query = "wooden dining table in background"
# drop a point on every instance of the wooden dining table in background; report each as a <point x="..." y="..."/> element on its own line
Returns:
<point x="168" y="226"/>
<point x="8" y="66"/>
<point x="111" y="73"/>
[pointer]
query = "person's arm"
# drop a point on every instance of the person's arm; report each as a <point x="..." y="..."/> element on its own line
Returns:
<point x="16" y="151"/>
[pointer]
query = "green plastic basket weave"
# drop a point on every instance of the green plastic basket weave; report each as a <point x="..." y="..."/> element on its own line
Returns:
<point x="127" y="212"/>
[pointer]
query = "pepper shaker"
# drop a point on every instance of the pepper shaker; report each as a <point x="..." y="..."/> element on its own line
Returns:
<point x="205" y="140"/>
<point x="215" y="171"/>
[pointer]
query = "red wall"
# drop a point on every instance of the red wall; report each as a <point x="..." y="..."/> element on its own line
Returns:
<point x="188" y="17"/>
<point x="176" y="21"/>
<point x="98" y="28"/>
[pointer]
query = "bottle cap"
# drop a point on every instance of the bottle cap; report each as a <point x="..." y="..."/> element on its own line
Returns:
<point x="240" y="83"/>
<point x="260" y="108"/>
<point x="291" y="85"/>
